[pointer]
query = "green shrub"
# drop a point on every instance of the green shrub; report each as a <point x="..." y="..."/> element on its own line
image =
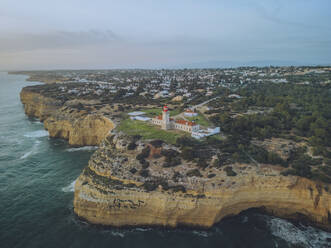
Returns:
<point x="169" y="153"/>
<point x="188" y="154"/>
<point x="172" y="161"/>
<point x="194" y="173"/>
<point x="144" y="173"/>
<point x="302" y="169"/>
<point x="156" y="155"/>
<point x="319" y="176"/>
<point x="157" y="143"/>
<point x="144" y="153"/>
<point x="132" y="146"/>
<point x="202" y="163"/>
<point x="176" y="176"/>
<point x="229" y="171"/>
<point x="288" y="172"/>
<point x="150" y="186"/>
<point x="144" y="163"/>
<point x="178" y="188"/>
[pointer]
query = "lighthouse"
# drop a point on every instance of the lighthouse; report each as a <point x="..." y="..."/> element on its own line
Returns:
<point x="165" y="118"/>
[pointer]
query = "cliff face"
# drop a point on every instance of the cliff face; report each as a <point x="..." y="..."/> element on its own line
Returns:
<point x="78" y="129"/>
<point x="36" y="105"/>
<point x="77" y="126"/>
<point x="113" y="191"/>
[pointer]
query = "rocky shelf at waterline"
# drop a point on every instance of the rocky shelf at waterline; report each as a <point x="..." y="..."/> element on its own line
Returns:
<point x="128" y="183"/>
<point x="71" y="119"/>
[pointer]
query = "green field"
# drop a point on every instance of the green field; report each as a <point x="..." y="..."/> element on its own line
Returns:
<point x="200" y="119"/>
<point x="148" y="131"/>
<point x="152" y="112"/>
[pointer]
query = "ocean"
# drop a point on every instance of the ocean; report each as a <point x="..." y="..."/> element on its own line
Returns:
<point x="37" y="176"/>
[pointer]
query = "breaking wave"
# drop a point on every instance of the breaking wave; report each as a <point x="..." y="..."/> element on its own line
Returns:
<point x="118" y="233"/>
<point x="84" y="148"/>
<point x="32" y="151"/>
<point x="26" y="155"/>
<point x="305" y="236"/>
<point x="70" y="187"/>
<point x="36" y="134"/>
<point x="203" y="234"/>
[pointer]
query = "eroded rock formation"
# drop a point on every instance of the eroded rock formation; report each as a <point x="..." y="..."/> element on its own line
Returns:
<point x="62" y="120"/>
<point x="118" y="189"/>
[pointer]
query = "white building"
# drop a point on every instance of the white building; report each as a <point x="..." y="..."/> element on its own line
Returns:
<point x="204" y="133"/>
<point x="167" y="123"/>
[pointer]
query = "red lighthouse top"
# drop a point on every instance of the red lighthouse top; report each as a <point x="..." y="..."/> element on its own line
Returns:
<point x="165" y="108"/>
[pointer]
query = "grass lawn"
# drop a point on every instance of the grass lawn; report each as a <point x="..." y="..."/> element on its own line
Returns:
<point x="200" y="119"/>
<point x="148" y="131"/>
<point x="152" y="112"/>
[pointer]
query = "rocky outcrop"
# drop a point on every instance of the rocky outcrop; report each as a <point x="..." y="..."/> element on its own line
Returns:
<point x="78" y="129"/>
<point x="61" y="120"/>
<point x="39" y="106"/>
<point x="118" y="190"/>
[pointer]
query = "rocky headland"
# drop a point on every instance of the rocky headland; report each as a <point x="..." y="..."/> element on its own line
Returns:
<point x="76" y="120"/>
<point x="130" y="182"/>
<point x="134" y="181"/>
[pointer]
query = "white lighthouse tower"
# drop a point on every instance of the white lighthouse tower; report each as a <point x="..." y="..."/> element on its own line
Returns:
<point x="165" y="118"/>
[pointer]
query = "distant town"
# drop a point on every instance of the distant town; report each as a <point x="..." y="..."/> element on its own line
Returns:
<point x="182" y="85"/>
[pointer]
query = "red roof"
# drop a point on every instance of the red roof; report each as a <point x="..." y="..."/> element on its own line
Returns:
<point x="187" y="123"/>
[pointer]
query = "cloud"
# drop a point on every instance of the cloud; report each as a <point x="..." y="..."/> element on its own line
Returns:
<point x="23" y="42"/>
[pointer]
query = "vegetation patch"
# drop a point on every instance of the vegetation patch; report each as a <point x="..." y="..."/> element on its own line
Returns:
<point x="194" y="173"/>
<point x="144" y="172"/>
<point x="171" y="157"/>
<point x="157" y="143"/>
<point x="148" y="131"/>
<point x="144" y="153"/>
<point x="229" y="171"/>
<point x="200" y="119"/>
<point x="105" y="181"/>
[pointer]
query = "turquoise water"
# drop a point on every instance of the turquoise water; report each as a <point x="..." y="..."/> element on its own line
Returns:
<point x="36" y="194"/>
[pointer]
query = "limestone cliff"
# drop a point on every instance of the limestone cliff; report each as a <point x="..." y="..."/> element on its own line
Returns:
<point x="119" y="190"/>
<point x="37" y="105"/>
<point x="61" y="120"/>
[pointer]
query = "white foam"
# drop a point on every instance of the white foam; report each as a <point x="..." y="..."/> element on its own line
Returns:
<point x="36" y="134"/>
<point x="201" y="233"/>
<point x="26" y="155"/>
<point x="32" y="151"/>
<point x="119" y="234"/>
<point x="69" y="188"/>
<point x="37" y="122"/>
<point x="84" y="148"/>
<point x="305" y="236"/>
<point x="140" y="229"/>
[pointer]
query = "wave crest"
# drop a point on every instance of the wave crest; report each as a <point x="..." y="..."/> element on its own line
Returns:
<point x="305" y="236"/>
<point x="36" y="134"/>
<point x="84" y="148"/>
<point x="69" y="188"/>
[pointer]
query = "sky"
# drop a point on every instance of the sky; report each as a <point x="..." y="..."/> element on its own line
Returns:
<point x="107" y="34"/>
